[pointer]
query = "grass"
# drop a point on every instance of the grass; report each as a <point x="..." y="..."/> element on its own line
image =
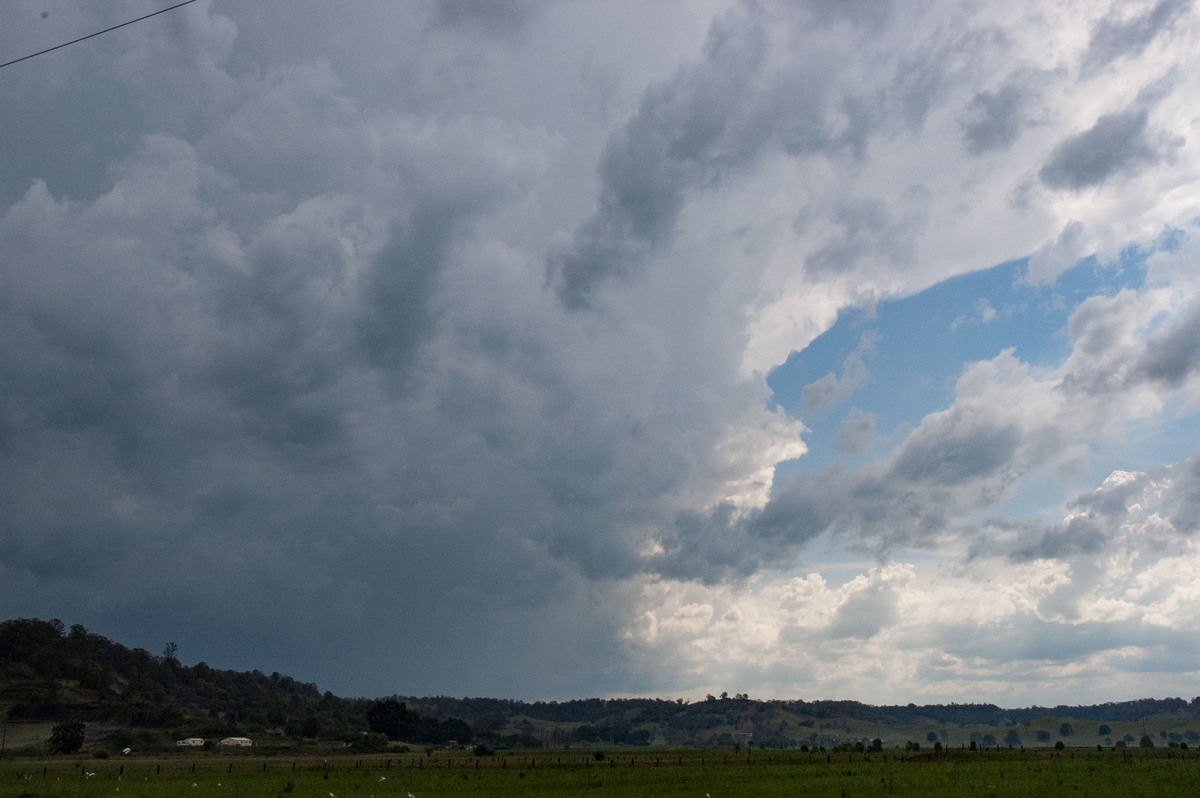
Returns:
<point x="666" y="773"/>
<point x="23" y="735"/>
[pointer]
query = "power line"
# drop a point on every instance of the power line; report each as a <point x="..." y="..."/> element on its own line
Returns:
<point x="91" y="35"/>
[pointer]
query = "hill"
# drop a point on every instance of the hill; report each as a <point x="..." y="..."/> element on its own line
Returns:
<point x="49" y="674"/>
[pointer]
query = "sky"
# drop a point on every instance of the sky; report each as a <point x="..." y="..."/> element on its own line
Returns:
<point x="548" y="350"/>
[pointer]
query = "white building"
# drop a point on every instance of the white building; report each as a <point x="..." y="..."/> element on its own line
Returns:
<point x="192" y="741"/>
<point x="242" y="741"/>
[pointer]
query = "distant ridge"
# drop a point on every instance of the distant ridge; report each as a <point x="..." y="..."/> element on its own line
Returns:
<point x="49" y="673"/>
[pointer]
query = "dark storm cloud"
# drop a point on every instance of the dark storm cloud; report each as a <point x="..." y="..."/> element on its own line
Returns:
<point x="955" y="449"/>
<point x="1173" y="355"/>
<point x="682" y="136"/>
<point x="868" y="510"/>
<point x="710" y="121"/>
<point x="1116" y="37"/>
<point x="742" y="100"/>
<point x="191" y="394"/>
<point x="1186" y="488"/>
<point x="1080" y="535"/>
<point x="868" y="13"/>
<point x="501" y="17"/>
<point x="280" y="369"/>
<point x="395" y="313"/>
<point x="993" y="120"/>
<point x="955" y="463"/>
<point x="1117" y="143"/>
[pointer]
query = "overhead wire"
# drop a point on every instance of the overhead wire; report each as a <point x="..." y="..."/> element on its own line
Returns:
<point x="93" y="35"/>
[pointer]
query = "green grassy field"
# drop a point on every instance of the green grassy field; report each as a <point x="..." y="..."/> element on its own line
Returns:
<point x="655" y="773"/>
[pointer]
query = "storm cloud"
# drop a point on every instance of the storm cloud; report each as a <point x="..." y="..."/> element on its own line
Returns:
<point x="423" y="347"/>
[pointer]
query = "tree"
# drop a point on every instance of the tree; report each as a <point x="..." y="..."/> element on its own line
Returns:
<point x="1104" y="730"/>
<point x="393" y="718"/>
<point x="1066" y="729"/>
<point x="1058" y="746"/>
<point x="1146" y="742"/>
<point x="1011" y="738"/>
<point x="310" y="726"/>
<point x="66" y="738"/>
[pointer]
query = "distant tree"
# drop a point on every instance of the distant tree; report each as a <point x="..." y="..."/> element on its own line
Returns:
<point x="371" y="743"/>
<point x="1042" y="736"/>
<point x="1145" y="742"/>
<point x="877" y="745"/>
<point x="310" y="726"/>
<point x="931" y="737"/>
<point x="1066" y="729"/>
<point x="393" y="718"/>
<point x="1104" y="730"/>
<point x="1012" y="739"/>
<point x="1060" y="745"/>
<point x="937" y="746"/>
<point x="170" y="650"/>
<point x="66" y="738"/>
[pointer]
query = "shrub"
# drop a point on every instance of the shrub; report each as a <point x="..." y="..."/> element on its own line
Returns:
<point x="66" y="738"/>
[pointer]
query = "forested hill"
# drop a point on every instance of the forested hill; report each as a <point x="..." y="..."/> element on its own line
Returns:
<point x="49" y="673"/>
<point x="595" y="710"/>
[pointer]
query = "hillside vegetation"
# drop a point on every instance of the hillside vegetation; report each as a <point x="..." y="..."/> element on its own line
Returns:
<point x="53" y="675"/>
